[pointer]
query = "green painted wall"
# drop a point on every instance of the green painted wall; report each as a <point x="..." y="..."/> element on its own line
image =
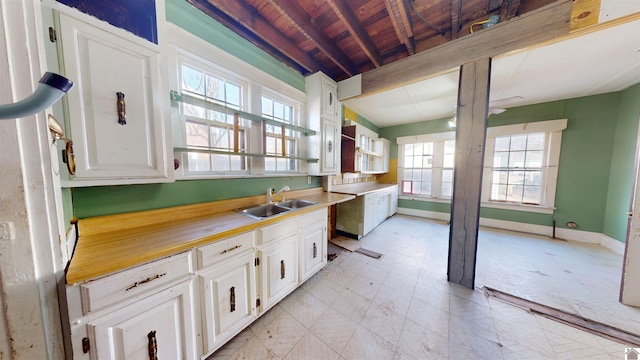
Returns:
<point x="622" y="177"/>
<point x="585" y="158"/>
<point x="106" y="200"/>
<point x="186" y="16"/>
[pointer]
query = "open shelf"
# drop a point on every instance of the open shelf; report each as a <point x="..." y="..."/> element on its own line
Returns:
<point x="177" y="97"/>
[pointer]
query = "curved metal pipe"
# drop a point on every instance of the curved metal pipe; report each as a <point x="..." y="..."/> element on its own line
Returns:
<point x="51" y="88"/>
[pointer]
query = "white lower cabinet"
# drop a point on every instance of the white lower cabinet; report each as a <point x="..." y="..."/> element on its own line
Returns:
<point x="313" y="243"/>
<point x="160" y="310"/>
<point x="279" y="270"/>
<point x="160" y="326"/>
<point x="228" y="299"/>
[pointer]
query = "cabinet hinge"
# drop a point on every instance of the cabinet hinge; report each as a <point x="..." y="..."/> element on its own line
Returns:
<point x="52" y="34"/>
<point x="257" y="303"/>
<point x="257" y="262"/>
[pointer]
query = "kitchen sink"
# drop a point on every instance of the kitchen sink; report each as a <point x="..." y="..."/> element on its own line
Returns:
<point x="295" y="203"/>
<point x="266" y="211"/>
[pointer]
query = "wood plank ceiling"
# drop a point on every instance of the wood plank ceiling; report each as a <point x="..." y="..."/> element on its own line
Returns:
<point x="343" y="38"/>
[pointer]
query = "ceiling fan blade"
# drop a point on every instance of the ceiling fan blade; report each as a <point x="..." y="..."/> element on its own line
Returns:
<point x="506" y="101"/>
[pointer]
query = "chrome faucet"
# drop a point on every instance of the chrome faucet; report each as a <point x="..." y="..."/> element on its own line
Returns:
<point x="271" y="195"/>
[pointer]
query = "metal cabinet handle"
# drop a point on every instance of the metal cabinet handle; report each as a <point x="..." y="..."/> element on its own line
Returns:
<point x="315" y="251"/>
<point x="282" y="269"/>
<point x="141" y="282"/>
<point x="230" y="249"/>
<point x="232" y="298"/>
<point x="122" y="109"/>
<point x="330" y="146"/>
<point x="153" y="345"/>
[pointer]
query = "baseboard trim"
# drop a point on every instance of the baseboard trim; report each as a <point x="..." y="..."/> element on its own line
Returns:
<point x="561" y="233"/>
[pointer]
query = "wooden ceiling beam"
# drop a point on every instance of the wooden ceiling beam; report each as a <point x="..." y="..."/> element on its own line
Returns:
<point x="399" y="15"/>
<point x="298" y="17"/>
<point x="259" y="28"/>
<point x="537" y="26"/>
<point x="352" y="23"/>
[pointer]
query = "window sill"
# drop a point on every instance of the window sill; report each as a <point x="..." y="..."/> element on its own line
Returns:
<point x="491" y="205"/>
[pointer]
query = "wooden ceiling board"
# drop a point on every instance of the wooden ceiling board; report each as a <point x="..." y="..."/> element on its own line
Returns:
<point x="344" y="38"/>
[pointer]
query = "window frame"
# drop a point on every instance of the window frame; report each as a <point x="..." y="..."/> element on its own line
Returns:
<point x="194" y="51"/>
<point x="438" y="140"/>
<point x="290" y="135"/>
<point x="553" y="139"/>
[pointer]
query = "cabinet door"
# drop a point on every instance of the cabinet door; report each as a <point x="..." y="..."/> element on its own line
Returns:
<point x="370" y="201"/>
<point x="329" y="97"/>
<point x="279" y="270"/>
<point x="330" y="146"/>
<point x="163" y="323"/>
<point x="111" y="149"/>
<point x="313" y="250"/>
<point x="393" y="206"/>
<point x="228" y="299"/>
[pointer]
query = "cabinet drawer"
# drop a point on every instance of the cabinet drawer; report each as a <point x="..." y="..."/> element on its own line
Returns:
<point x="314" y="217"/>
<point x="277" y="231"/>
<point x="137" y="282"/>
<point x="223" y="249"/>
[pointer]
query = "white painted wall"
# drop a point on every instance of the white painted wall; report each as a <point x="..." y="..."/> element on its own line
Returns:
<point x="30" y="255"/>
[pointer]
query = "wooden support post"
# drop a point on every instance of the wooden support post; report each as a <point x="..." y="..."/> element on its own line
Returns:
<point x="471" y="129"/>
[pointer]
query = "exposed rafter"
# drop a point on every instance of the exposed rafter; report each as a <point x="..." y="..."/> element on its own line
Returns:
<point x="292" y="10"/>
<point x="456" y="7"/>
<point x="242" y="18"/>
<point x="352" y="23"/>
<point x="401" y="20"/>
<point x="509" y="9"/>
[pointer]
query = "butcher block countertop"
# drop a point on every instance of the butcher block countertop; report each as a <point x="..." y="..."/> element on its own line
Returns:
<point x="111" y="243"/>
<point x="360" y="189"/>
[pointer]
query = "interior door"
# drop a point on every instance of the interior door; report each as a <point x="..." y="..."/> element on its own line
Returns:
<point x="630" y="284"/>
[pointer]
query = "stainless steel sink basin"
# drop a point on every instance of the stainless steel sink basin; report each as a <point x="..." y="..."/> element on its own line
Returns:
<point x="264" y="211"/>
<point x="295" y="203"/>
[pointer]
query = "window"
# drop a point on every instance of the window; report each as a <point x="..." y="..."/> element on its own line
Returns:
<point x="426" y="165"/>
<point x="517" y="169"/>
<point x="278" y="140"/>
<point x="521" y="166"/>
<point x="211" y="130"/>
<point x="417" y="172"/>
<point x="447" y="168"/>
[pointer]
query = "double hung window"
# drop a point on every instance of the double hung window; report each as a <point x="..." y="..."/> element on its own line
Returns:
<point x="207" y="129"/>
<point x="279" y="141"/>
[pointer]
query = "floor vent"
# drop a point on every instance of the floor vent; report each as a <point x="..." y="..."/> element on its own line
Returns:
<point x="576" y="321"/>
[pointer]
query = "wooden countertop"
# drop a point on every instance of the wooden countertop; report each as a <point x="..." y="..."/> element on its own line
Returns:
<point x="360" y="189"/>
<point x="108" y="244"/>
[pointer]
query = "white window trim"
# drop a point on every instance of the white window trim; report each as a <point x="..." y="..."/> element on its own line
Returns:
<point x="553" y="129"/>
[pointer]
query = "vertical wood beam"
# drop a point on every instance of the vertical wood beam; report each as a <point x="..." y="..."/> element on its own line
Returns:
<point x="471" y="129"/>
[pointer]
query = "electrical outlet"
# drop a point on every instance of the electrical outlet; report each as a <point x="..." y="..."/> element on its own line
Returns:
<point x="308" y="180"/>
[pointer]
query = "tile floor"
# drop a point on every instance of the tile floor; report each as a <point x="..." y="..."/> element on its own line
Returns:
<point x="402" y="307"/>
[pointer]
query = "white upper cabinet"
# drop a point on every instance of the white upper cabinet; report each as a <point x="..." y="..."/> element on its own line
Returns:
<point x="118" y="111"/>
<point x="329" y="97"/>
<point x="323" y="116"/>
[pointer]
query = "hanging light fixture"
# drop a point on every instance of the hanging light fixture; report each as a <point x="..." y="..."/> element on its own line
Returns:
<point x="51" y="88"/>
